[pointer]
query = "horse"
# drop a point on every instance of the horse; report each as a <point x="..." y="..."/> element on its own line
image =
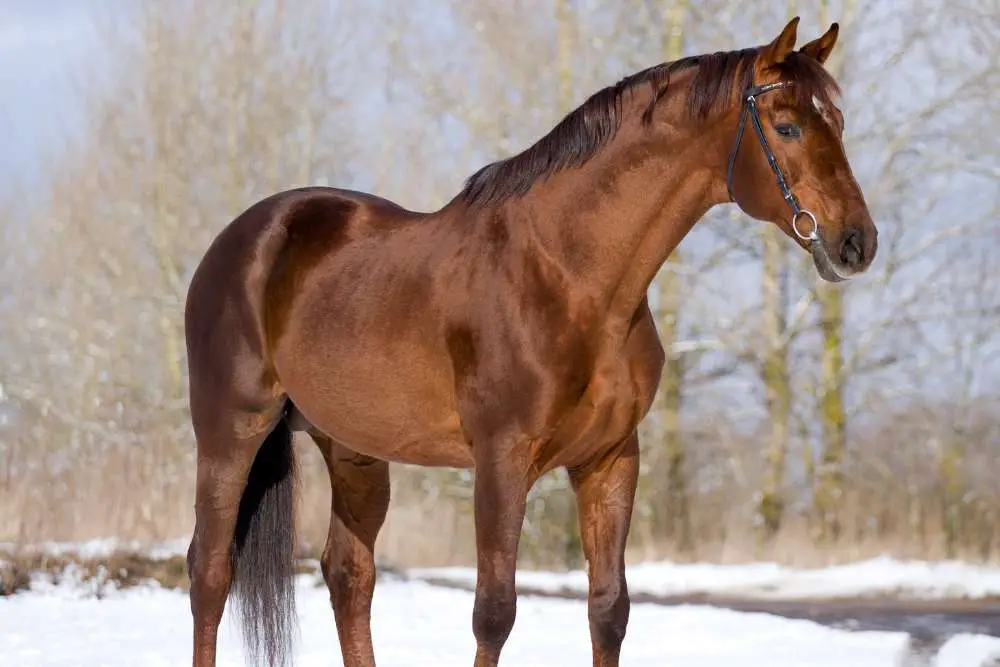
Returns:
<point x="507" y="333"/>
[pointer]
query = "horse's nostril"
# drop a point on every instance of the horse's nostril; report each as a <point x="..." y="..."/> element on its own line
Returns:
<point x="851" y="250"/>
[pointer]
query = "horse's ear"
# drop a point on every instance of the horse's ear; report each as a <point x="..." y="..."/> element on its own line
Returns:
<point x="821" y="47"/>
<point x="782" y="45"/>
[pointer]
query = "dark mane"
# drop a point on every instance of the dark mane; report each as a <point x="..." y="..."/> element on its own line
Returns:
<point x="588" y="128"/>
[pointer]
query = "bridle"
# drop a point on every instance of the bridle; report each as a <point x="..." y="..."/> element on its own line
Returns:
<point x="750" y="109"/>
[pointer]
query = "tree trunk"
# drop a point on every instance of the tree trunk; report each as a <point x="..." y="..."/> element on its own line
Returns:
<point x="565" y="38"/>
<point x="830" y="482"/>
<point x="678" y="520"/>
<point x="777" y="388"/>
<point x="829" y="491"/>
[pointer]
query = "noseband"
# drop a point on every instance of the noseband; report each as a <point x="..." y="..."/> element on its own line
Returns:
<point x="750" y="109"/>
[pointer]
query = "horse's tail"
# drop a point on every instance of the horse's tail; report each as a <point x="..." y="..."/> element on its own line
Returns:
<point x="263" y="552"/>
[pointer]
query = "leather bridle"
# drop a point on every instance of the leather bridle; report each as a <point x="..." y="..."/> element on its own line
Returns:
<point x="750" y="109"/>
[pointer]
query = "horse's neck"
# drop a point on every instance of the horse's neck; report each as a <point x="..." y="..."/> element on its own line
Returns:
<point x="629" y="207"/>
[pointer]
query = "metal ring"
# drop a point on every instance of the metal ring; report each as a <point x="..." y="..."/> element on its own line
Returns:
<point x="812" y="235"/>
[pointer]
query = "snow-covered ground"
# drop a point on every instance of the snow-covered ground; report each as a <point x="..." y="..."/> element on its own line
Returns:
<point x="872" y="578"/>
<point x="878" y="577"/>
<point x="418" y="625"/>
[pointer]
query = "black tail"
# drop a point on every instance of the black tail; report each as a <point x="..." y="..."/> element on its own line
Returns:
<point x="263" y="553"/>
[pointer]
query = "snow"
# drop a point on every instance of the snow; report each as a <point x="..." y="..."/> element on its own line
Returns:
<point x="415" y="624"/>
<point x="878" y="577"/>
<point x="102" y="548"/>
<point x="66" y="623"/>
<point x="871" y="578"/>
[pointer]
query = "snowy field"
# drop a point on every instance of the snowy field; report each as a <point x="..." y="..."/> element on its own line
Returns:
<point x="416" y="624"/>
<point x="878" y="577"/>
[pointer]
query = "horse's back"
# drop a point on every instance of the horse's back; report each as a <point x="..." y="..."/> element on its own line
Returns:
<point x="309" y="295"/>
<point x="355" y="315"/>
<point x="304" y="221"/>
<point x="235" y="289"/>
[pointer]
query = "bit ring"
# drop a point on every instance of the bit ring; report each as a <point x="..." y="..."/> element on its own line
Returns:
<point x="813" y="234"/>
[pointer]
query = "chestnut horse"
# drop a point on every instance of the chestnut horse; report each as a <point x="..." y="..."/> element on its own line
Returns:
<point x="508" y="333"/>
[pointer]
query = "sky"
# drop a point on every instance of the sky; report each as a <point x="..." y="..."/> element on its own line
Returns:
<point x="40" y="41"/>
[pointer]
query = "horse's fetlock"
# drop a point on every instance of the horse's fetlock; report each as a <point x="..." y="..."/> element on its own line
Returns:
<point x="608" y="610"/>
<point x="493" y="615"/>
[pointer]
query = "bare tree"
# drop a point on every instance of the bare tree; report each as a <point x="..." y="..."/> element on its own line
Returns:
<point x="932" y="120"/>
<point x="196" y="116"/>
<point x="669" y="288"/>
<point x="862" y="411"/>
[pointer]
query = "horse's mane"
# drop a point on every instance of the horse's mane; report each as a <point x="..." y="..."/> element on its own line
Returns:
<point x="588" y="128"/>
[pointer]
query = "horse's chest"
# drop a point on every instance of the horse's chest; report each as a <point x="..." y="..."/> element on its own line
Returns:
<point x="606" y="413"/>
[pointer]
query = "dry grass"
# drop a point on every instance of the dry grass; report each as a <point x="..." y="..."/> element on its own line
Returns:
<point x="895" y="502"/>
<point x="422" y="533"/>
<point x="117" y="570"/>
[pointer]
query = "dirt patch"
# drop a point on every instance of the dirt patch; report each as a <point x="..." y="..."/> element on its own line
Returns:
<point x="96" y="575"/>
<point x="22" y="571"/>
<point x="15" y="576"/>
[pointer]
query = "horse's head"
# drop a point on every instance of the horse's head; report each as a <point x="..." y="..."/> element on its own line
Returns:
<point x="788" y="164"/>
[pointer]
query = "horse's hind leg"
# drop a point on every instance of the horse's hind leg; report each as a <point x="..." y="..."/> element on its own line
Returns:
<point x="226" y="452"/>
<point x="360" y="502"/>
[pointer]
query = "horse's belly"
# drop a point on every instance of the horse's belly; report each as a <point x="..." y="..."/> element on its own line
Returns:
<point x="377" y="403"/>
<point x="410" y="441"/>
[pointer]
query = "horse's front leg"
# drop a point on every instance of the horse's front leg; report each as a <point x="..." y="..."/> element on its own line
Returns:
<point x="501" y="487"/>
<point x="605" y="492"/>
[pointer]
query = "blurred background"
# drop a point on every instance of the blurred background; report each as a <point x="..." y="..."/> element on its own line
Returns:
<point x="796" y="421"/>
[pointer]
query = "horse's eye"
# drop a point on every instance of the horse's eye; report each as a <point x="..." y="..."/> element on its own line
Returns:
<point x="788" y="130"/>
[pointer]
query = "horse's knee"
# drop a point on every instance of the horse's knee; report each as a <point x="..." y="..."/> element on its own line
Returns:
<point x="493" y="615"/>
<point x="608" y="609"/>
